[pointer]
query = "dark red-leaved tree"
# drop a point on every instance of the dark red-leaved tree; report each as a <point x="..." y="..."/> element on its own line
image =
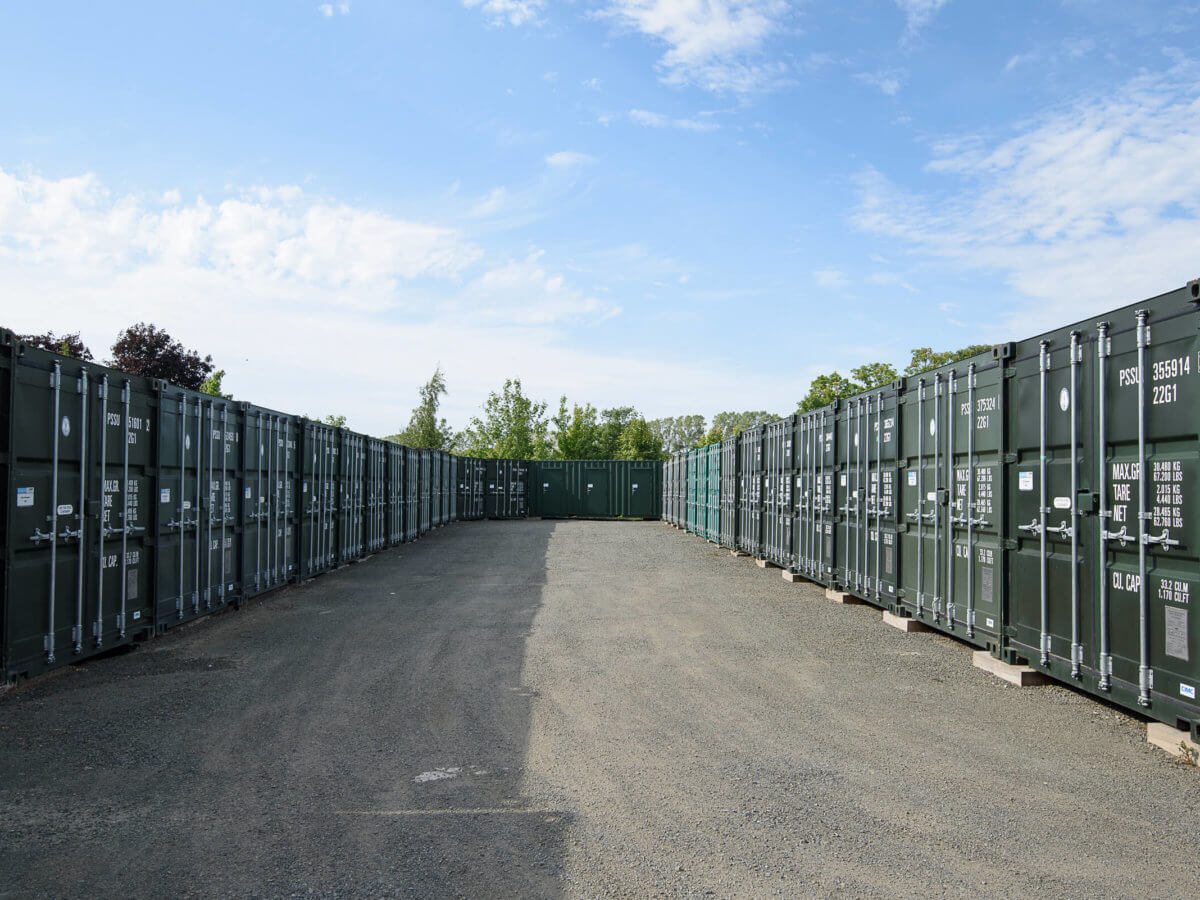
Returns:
<point x="66" y="344"/>
<point x="149" y="351"/>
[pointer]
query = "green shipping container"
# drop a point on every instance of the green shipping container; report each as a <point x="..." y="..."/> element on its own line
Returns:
<point x="598" y="489"/>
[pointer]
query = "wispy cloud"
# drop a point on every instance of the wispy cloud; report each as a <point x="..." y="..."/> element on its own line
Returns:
<point x="1018" y="60"/>
<point x="328" y="9"/>
<point x="510" y="12"/>
<point x="918" y="13"/>
<point x="567" y="158"/>
<point x="1089" y="205"/>
<point x="657" y="120"/>
<point x="830" y="278"/>
<point x="716" y="45"/>
<point x="889" y="82"/>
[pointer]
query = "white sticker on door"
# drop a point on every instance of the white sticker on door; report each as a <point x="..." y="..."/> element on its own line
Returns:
<point x="1062" y="502"/>
<point x="1025" y="481"/>
<point x="164" y="496"/>
<point x="65" y="509"/>
<point x="912" y="479"/>
<point x="24" y="496"/>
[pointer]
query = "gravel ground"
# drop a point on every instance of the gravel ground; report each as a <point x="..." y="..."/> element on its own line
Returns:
<point x="579" y="709"/>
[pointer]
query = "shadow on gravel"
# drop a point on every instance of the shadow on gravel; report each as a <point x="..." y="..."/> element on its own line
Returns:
<point x="361" y="734"/>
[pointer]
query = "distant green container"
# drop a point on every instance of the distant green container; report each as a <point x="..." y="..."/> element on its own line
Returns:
<point x="596" y="489"/>
<point x="712" y="494"/>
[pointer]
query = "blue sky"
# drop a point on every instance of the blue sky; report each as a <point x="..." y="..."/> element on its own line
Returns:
<point x="685" y="205"/>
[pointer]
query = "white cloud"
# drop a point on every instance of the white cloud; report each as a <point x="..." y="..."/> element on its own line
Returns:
<point x="1019" y="59"/>
<point x="326" y="10"/>
<point x="918" y="13"/>
<point x="512" y="12"/>
<point x="592" y="84"/>
<point x="716" y="45"/>
<point x="658" y="120"/>
<point x="889" y="82"/>
<point x="566" y="159"/>
<point x="1086" y="207"/>
<point x="830" y="278"/>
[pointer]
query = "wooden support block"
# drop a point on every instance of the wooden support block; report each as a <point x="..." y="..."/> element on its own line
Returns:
<point x="904" y="623"/>
<point x="737" y="553"/>
<point x="793" y="576"/>
<point x="1173" y="740"/>
<point x="766" y="564"/>
<point x="843" y="597"/>
<point x="1021" y="676"/>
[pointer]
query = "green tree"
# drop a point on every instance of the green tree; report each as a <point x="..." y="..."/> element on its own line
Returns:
<point x="731" y="424"/>
<point x="513" y="426"/>
<point x="212" y="385"/>
<point x="426" y="431"/>
<point x="873" y="375"/>
<point x="678" y="432"/>
<point x="576" y="433"/>
<point x="715" y="436"/>
<point x="335" y="421"/>
<point x="924" y="358"/>
<point x="613" y="423"/>
<point x="639" y="441"/>
<point x="825" y="389"/>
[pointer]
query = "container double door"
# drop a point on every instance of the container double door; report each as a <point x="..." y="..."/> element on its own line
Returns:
<point x="375" y="474"/>
<point x="412" y="493"/>
<point x="815" y="532"/>
<point x="778" y="463"/>
<point x="951" y="497"/>
<point x="198" y="548"/>
<point x="395" y="493"/>
<point x="320" y="494"/>
<point x="750" y="489"/>
<point x="81" y="448"/>
<point x="866" y="491"/>
<point x="268" y="506"/>
<point x="693" y="491"/>
<point x="730" y="481"/>
<point x="425" y="492"/>
<point x="712" y="492"/>
<point x="1101" y="506"/>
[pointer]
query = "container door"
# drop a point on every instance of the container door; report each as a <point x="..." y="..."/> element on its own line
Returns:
<point x="178" y="508"/>
<point x="1052" y="430"/>
<point x="596" y="489"/>
<point x="640" y="501"/>
<point x="1145" y="628"/>
<point x="551" y="491"/>
<point x="974" y="556"/>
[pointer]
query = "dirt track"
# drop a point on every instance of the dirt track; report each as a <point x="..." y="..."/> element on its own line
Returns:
<point x="578" y="708"/>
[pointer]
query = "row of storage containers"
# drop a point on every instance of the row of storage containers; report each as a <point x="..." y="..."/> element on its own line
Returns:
<point x="1032" y="500"/>
<point x="596" y="488"/>
<point x="131" y="505"/>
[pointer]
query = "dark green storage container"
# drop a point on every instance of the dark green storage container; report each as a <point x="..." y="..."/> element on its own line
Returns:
<point x="80" y="445"/>
<point x="598" y="489"/>
<point x="269" y="473"/>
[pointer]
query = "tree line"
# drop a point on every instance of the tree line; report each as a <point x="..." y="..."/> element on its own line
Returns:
<point x="512" y="425"/>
